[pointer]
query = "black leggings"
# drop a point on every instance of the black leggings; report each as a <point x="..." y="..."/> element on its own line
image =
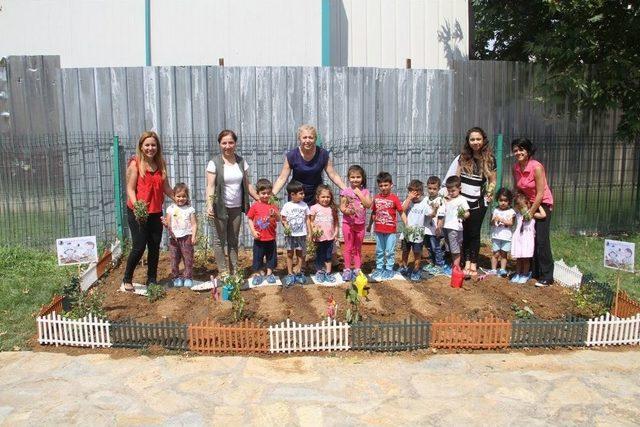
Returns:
<point x="471" y="234"/>
<point x="542" y="256"/>
<point x="144" y="235"/>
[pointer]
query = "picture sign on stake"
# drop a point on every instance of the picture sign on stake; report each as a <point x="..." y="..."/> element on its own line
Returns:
<point x="619" y="255"/>
<point x="77" y="250"/>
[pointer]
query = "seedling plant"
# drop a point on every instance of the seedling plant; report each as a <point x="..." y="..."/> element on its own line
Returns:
<point x="155" y="292"/>
<point x="352" y="314"/>
<point x="140" y="211"/>
<point x="237" y="300"/>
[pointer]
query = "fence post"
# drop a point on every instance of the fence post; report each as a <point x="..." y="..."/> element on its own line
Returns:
<point x="499" y="155"/>
<point x="117" y="185"/>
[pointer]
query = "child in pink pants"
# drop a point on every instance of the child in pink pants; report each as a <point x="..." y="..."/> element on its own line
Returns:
<point x="354" y="202"/>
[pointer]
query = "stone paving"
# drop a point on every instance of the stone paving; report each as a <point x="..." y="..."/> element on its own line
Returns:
<point x="582" y="387"/>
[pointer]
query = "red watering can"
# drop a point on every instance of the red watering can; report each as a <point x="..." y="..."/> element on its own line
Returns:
<point x="457" y="277"/>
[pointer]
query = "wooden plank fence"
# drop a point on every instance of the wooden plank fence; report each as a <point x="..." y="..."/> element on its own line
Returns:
<point x="132" y="334"/>
<point x="625" y="306"/>
<point x="410" y="334"/>
<point x="290" y="336"/>
<point x="54" y="305"/>
<point x="89" y="331"/>
<point x="246" y="337"/>
<point x="457" y="332"/>
<point x="612" y="330"/>
<point x="549" y="333"/>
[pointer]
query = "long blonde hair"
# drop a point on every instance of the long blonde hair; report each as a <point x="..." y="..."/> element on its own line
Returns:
<point x="469" y="159"/>
<point x="143" y="166"/>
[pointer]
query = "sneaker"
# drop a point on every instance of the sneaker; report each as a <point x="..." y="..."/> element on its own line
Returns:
<point x="188" y="283"/>
<point x="542" y="284"/>
<point x="289" y="280"/>
<point x="271" y="279"/>
<point x="257" y="280"/>
<point x="436" y="270"/>
<point x="388" y="274"/>
<point x="492" y="272"/>
<point x="376" y="275"/>
<point x="301" y="279"/>
<point x="329" y="278"/>
<point x="524" y="278"/>
<point x="404" y="271"/>
<point x="347" y="275"/>
<point x="416" y="276"/>
<point x="320" y="276"/>
<point x="502" y="273"/>
<point x="515" y="278"/>
<point x="177" y="282"/>
<point x="446" y="271"/>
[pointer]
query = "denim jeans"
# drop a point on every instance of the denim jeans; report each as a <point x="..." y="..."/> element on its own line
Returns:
<point x="385" y="250"/>
<point x="435" y="249"/>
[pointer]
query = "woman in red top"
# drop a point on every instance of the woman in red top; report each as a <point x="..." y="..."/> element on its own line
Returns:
<point x="146" y="181"/>
<point x="530" y="179"/>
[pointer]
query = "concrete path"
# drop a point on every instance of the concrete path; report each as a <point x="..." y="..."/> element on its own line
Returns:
<point x="569" y="388"/>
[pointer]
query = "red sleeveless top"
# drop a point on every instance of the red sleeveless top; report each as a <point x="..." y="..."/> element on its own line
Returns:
<point x="149" y="188"/>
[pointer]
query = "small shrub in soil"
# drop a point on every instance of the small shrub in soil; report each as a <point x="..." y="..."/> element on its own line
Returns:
<point x="522" y="313"/>
<point x="87" y="302"/>
<point x="237" y="300"/>
<point x="155" y="293"/>
<point x="352" y="314"/>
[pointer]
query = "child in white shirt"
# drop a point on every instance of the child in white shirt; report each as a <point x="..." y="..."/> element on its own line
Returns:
<point x="502" y="220"/>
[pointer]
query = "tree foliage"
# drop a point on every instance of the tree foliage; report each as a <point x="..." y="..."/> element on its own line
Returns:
<point x="590" y="49"/>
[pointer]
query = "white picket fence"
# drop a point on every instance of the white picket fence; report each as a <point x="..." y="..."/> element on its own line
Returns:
<point x="611" y="330"/>
<point x="567" y="276"/>
<point x="290" y="336"/>
<point x="89" y="331"/>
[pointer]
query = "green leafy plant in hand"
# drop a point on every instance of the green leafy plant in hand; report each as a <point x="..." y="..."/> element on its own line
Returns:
<point x="140" y="211"/>
<point x="156" y="292"/>
<point x="413" y="233"/>
<point x="274" y="200"/>
<point x="311" y="243"/>
<point x="461" y="212"/>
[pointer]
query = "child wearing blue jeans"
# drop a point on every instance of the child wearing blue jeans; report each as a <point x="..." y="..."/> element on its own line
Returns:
<point x="432" y="232"/>
<point x="386" y="207"/>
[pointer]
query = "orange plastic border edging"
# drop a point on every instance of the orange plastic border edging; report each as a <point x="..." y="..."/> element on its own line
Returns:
<point x="457" y="332"/>
<point x="54" y="305"/>
<point x="626" y="306"/>
<point x="246" y="337"/>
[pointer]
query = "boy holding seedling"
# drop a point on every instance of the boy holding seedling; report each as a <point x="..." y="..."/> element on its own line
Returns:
<point x="412" y="237"/>
<point x="432" y="232"/>
<point x="295" y="219"/>
<point x="386" y="206"/>
<point x="456" y="210"/>
<point x="263" y="217"/>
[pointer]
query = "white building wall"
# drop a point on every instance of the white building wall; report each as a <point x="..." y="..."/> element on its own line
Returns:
<point x="372" y="33"/>
<point x="384" y="33"/>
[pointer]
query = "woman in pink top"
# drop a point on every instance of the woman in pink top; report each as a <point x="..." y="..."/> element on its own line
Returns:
<point x="529" y="178"/>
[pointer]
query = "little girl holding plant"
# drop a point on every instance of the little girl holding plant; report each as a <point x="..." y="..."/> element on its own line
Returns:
<point x="523" y="240"/>
<point x="354" y="202"/>
<point x="182" y="225"/>
<point x="324" y="219"/>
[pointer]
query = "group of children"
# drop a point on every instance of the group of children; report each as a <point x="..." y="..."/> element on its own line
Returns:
<point x="427" y="221"/>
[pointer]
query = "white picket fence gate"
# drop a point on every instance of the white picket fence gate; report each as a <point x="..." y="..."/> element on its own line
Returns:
<point x="611" y="330"/>
<point x="569" y="277"/>
<point x="89" y="331"/>
<point x="290" y="336"/>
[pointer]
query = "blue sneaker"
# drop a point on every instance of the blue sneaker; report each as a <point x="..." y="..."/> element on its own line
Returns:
<point x="347" y="276"/>
<point x="404" y="271"/>
<point x="329" y="278"/>
<point x="301" y="279"/>
<point x="502" y="273"/>
<point x="416" y="276"/>
<point x="289" y="280"/>
<point x="177" y="282"/>
<point x="524" y="278"/>
<point x="271" y="279"/>
<point x="257" y="280"/>
<point x="320" y="276"/>
<point x="446" y="271"/>
<point x="376" y="275"/>
<point x="388" y="274"/>
<point x="515" y="278"/>
<point x="188" y="283"/>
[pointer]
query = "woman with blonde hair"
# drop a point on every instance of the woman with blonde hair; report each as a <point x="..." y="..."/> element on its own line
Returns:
<point x="307" y="162"/>
<point x="147" y="183"/>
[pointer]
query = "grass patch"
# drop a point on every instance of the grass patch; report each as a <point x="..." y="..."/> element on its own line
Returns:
<point x="28" y="279"/>
<point x="586" y="252"/>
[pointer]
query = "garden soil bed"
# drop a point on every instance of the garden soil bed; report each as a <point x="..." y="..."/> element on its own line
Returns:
<point x="431" y="299"/>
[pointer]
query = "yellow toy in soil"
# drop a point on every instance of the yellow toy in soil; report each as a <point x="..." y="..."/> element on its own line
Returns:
<point x="361" y="284"/>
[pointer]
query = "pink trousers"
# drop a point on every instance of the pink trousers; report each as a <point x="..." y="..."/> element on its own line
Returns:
<point x="353" y="236"/>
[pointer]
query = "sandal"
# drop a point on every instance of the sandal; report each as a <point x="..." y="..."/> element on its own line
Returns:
<point x="128" y="287"/>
